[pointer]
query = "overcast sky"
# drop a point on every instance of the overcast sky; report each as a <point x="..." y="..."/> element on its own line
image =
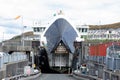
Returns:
<point x="79" y="11"/>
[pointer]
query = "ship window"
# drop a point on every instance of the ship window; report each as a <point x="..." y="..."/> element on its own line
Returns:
<point x="38" y="30"/>
<point x="35" y="29"/>
<point x="85" y="29"/>
<point x="42" y="29"/>
<point x="82" y="29"/>
<point x="79" y="29"/>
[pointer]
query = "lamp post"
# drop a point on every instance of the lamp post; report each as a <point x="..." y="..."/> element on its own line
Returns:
<point x="23" y="43"/>
<point x="22" y="30"/>
<point x="22" y="36"/>
<point x="0" y="62"/>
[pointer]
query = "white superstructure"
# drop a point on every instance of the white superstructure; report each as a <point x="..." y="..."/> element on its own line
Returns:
<point x="39" y="29"/>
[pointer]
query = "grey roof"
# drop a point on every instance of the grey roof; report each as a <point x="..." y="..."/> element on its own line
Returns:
<point x="60" y="30"/>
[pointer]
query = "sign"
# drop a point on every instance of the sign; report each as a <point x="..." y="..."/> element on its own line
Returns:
<point x="61" y="49"/>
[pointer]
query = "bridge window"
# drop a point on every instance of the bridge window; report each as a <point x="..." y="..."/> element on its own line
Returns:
<point x="79" y="29"/>
<point x="38" y="29"/>
<point x="85" y="30"/>
<point x="35" y="29"/>
<point x="82" y="29"/>
<point x="42" y="29"/>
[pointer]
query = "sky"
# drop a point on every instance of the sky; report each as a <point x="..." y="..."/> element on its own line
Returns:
<point x="93" y="12"/>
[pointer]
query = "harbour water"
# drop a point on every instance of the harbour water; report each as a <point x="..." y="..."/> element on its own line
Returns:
<point x="15" y="56"/>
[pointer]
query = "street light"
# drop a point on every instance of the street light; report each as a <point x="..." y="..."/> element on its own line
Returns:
<point x="0" y="62"/>
<point x="22" y="35"/>
<point x="23" y="44"/>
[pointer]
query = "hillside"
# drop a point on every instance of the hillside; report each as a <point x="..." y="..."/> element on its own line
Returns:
<point x="114" y="25"/>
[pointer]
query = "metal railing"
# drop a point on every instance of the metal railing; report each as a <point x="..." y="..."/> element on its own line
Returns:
<point x="17" y="77"/>
<point x="85" y="77"/>
<point x="21" y="77"/>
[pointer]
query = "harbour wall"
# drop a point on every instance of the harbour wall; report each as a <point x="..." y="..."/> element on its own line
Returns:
<point x="13" y="68"/>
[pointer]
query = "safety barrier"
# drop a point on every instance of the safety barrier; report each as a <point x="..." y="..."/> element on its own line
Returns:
<point x="85" y="77"/>
<point x="22" y="76"/>
<point x="16" y="77"/>
<point x="111" y="75"/>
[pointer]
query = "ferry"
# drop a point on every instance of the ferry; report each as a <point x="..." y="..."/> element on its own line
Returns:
<point x="58" y="38"/>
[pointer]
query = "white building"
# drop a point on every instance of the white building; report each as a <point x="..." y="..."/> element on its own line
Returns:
<point x="103" y="32"/>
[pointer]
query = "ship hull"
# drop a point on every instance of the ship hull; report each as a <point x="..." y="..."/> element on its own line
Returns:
<point x="60" y="37"/>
